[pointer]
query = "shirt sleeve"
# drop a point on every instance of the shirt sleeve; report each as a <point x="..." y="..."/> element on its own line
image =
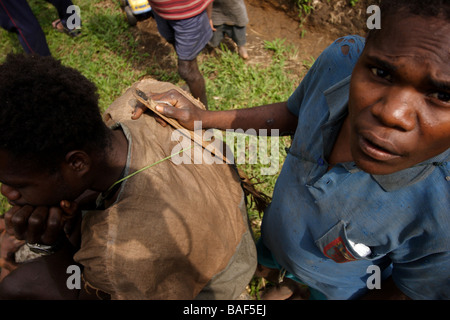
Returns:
<point x="426" y="278"/>
<point x="334" y="64"/>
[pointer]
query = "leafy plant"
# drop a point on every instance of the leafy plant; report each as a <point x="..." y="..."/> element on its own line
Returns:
<point x="305" y="6"/>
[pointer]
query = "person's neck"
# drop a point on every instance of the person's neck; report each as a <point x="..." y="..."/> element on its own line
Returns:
<point x="110" y="169"/>
<point x="341" y="150"/>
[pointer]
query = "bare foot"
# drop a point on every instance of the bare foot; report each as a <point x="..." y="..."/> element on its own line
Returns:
<point x="57" y="24"/>
<point x="243" y="52"/>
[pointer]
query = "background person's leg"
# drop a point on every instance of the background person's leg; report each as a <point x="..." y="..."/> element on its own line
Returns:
<point x="17" y="16"/>
<point x="189" y="72"/>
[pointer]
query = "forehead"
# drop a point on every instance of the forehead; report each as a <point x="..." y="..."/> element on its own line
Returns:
<point x="424" y="40"/>
<point x="13" y="169"/>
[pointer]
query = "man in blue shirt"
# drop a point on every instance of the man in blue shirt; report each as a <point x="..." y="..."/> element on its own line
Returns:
<point x="366" y="183"/>
<point x="331" y="210"/>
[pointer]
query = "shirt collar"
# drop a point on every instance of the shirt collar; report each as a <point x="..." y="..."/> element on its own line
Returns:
<point x="337" y="100"/>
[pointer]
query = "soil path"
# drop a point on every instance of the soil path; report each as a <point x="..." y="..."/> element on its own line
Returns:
<point x="279" y="19"/>
<point x="269" y="23"/>
<point x="271" y="20"/>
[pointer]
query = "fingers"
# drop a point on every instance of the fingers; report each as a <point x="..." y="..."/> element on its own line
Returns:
<point x="9" y="246"/>
<point x="172" y="94"/>
<point x="35" y="225"/>
<point x="172" y="98"/>
<point x="211" y="24"/>
<point x="182" y="115"/>
<point x="16" y="220"/>
<point x="168" y="111"/>
<point x="172" y="104"/>
<point x="8" y="265"/>
<point x="160" y="121"/>
<point x="173" y="108"/>
<point x="69" y="208"/>
<point x="139" y="109"/>
<point x="53" y="228"/>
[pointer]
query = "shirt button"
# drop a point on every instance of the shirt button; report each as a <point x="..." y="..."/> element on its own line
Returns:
<point x="447" y="178"/>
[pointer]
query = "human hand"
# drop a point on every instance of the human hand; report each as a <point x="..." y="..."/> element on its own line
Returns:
<point x="212" y="25"/>
<point x="8" y="247"/>
<point x="283" y="288"/>
<point x="140" y="108"/>
<point x="173" y="104"/>
<point x="39" y="224"/>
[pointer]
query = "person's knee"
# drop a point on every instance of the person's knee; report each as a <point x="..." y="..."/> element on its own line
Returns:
<point x="188" y="70"/>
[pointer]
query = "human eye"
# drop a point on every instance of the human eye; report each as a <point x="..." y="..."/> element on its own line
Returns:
<point x="442" y="97"/>
<point x="381" y="73"/>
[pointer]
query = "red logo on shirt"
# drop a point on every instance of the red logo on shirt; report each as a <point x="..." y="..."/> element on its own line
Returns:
<point x="337" y="251"/>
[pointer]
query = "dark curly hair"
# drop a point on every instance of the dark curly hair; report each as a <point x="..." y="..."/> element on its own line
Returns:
<point x="46" y="110"/>
<point x="417" y="7"/>
<point x="431" y="8"/>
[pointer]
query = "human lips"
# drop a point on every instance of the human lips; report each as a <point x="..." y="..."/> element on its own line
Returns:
<point x="377" y="148"/>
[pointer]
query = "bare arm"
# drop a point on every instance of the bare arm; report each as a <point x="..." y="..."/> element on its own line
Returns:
<point x="271" y="116"/>
<point x="209" y="9"/>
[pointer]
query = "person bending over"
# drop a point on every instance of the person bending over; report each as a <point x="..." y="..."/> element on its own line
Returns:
<point x="170" y="231"/>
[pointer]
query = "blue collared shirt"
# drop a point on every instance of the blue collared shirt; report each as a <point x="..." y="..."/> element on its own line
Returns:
<point x="318" y="219"/>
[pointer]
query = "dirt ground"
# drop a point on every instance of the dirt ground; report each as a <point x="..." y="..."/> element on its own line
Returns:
<point x="271" y="19"/>
<point x="275" y="19"/>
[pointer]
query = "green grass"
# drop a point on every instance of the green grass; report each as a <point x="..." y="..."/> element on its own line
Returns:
<point x="106" y="53"/>
<point x="233" y="84"/>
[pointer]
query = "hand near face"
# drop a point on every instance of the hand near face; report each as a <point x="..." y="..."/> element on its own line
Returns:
<point x="8" y="247"/>
<point x="39" y="224"/>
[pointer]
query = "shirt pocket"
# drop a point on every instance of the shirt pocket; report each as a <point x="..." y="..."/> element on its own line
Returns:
<point x="335" y="245"/>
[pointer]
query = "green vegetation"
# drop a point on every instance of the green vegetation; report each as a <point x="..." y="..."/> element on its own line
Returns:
<point x="105" y="52"/>
<point x="305" y="7"/>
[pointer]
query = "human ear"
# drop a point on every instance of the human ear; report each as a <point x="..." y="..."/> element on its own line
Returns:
<point x="78" y="161"/>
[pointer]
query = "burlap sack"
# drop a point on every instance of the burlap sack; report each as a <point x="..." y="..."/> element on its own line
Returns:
<point x="175" y="231"/>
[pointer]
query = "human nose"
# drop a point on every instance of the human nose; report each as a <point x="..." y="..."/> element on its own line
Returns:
<point x="10" y="193"/>
<point x="398" y="109"/>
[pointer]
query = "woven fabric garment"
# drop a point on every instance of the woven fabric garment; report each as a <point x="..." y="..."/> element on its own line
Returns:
<point x="178" y="10"/>
<point x="174" y="231"/>
<point x="229" y="12"/>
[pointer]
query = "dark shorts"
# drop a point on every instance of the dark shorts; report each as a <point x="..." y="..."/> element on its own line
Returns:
<point x="188" y="36"/>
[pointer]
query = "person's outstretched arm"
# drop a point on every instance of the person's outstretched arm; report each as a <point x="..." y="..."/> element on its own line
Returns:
<point x="271" y="116"/>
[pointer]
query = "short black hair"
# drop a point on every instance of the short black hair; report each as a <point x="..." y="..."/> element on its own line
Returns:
<point x="431" y="8"/>
<point x="46" y="110"/>
<point x="417" y="7"/>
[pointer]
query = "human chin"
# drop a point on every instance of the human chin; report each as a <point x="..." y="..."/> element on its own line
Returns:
<point x="373" y="159"/>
